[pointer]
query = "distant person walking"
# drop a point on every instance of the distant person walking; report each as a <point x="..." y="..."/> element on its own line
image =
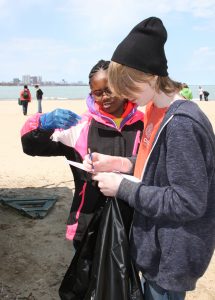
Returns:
<point x="25" y="98"/>
<point x="200" y="93"/>
<point x="39" y="96"/>
<point x="206" y="94"/>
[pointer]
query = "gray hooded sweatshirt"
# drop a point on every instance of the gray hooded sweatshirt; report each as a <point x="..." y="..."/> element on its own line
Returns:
<point x="173" y="232"/>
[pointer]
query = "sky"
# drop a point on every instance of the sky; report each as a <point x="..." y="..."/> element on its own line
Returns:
<point x="63" y="39"/>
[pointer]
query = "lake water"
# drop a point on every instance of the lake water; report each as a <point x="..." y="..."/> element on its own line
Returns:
<point x="50" y="92"/>
<point x="209" y="88"/>
<point x="76" y="92"/>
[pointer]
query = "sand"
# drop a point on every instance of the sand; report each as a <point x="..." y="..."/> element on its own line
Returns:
<point x="34" y="253"/>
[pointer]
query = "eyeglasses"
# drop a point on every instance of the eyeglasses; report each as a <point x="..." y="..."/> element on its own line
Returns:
<point x="99" y="93"/>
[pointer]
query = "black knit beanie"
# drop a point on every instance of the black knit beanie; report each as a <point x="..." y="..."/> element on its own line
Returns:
<point x="143" y="48"/>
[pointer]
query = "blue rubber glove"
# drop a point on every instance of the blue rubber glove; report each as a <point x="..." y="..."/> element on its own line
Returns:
<point x="58" y="118"/>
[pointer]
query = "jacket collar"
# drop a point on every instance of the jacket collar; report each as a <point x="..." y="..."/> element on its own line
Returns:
<point x="132" y="116"/>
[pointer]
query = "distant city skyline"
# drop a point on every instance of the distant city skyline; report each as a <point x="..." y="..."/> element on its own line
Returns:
<point x="33" y="80"/>
<point x="65" y="39"/>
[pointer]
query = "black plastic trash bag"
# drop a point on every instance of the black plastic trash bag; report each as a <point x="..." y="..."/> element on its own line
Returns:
<point x="77" y="278"/>
<point x="102" y="268"/>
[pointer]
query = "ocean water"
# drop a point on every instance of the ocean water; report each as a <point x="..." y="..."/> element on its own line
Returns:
<point x="209" y="88"/>
<point x="76" y="92"/>
<point x="49" y="92"/>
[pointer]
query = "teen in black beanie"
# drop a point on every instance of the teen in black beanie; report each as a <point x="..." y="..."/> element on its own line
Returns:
<point x="143" y="48"/>
<point x="173" y="233"/>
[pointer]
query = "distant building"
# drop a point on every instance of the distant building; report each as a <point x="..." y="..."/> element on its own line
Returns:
<point x="36" y="80"/>
<point x="31" y="80"/>
<point x="39" y="79"/>
<point x="26" y="79"/>
<point x="16" y="81"/>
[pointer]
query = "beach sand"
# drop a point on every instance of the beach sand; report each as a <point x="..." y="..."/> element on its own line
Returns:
<point x="34" y="252"/>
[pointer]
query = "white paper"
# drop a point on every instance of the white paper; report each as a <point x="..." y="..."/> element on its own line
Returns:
<point x="131" y="178"/>
<point x="76" y="164"/>
<point x="81" y="166"/>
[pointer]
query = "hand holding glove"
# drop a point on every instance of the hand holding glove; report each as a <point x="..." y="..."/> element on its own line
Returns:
<point x="59" y="118"/>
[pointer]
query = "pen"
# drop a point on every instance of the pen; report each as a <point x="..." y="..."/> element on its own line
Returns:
<point x="91" y="158"/>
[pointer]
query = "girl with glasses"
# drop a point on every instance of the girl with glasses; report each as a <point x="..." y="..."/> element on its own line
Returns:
<point x="112" y="125"/>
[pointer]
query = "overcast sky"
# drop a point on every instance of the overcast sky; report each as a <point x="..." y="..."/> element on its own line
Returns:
<point x="63" y="39"/>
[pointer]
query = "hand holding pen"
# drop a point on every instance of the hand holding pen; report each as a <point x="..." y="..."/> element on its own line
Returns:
<point x="97" y="162"/>
<point x="108" y="183"/>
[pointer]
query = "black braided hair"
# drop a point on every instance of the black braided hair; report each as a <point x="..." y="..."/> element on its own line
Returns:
<point x="101" y="65"/>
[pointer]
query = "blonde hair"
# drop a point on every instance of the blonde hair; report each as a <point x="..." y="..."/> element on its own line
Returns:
<point x="125" y="81"/>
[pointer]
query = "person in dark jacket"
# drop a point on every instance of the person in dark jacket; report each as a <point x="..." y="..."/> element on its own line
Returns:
<point x="206" y="94"/>
<point x="25" y="98"/>
<point x="110" y="126"/>
<point x="39" y="96"/>
<point x="173" y="230"/>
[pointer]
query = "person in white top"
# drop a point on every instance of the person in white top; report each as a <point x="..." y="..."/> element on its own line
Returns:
<point x="200" y="93"/>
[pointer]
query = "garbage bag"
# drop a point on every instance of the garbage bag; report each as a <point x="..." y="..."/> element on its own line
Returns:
<point x="102" y="268"/>
<point x="77" y="278"/>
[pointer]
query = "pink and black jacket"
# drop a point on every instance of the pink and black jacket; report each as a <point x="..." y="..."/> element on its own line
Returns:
<point x="95" y="131"/>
